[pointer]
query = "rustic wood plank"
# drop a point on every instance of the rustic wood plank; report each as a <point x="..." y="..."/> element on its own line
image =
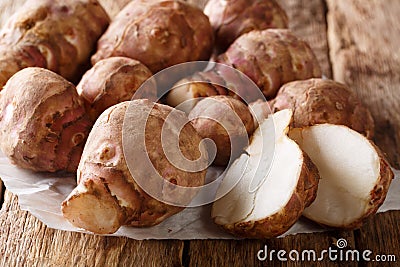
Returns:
<point x="382" y="236"/>
<point x="25" y="241"/>
<point x="307" y="19"/>
<point x="364" y="38"/>
<point x="244" y="253"/>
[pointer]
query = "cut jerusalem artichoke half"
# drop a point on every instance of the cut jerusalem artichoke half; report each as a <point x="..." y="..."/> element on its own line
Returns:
<point x="355" y="176"/>
<point x="289" y="182"/>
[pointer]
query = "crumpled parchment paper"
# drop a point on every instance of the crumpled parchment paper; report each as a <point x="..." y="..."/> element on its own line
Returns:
<point x="42" y="194"/>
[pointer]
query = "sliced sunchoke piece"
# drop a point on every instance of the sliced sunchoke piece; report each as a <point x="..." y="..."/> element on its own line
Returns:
<point x="355" y="175"/>
<point x="288" y="184"/>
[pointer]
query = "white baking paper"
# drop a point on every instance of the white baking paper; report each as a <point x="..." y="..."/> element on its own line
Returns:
<point x="42" y="194"/>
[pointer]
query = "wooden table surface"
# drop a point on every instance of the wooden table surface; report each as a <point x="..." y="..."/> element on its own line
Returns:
<point x="357" y="42"/>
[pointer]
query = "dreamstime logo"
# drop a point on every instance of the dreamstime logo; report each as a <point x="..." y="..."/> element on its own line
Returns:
<point x="139" y="159"/>
<point x="331" y="254"/>
<point x="341" y="243"/>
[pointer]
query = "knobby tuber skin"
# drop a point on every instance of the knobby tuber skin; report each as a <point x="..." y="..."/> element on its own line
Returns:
<point x="200" y="84"/>
<point x="225" y="120"/>
<point x="111" y="81"/>
<point x="107" y="196"/>
<point x="43" y="124"/>
<point x="317" y="101"/>
<point x="158" y="33"/>
<point x="53" y="35"/>
<point x="185" y="94"/>
<point x="220" y="80"/>
<point x="230" y="19"/>
<point x="272" y="58"/>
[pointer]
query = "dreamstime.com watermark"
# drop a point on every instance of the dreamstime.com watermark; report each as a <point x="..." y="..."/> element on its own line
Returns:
<point x="332" y="254"/>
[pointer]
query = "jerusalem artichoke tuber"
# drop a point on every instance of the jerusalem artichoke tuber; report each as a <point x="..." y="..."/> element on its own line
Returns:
<point x="43" y="124"/>
<point x="53" y="35"/>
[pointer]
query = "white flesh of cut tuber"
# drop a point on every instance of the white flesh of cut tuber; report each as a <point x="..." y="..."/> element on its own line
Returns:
<point x="286" y="188"/>
<point x="355" y="177"/>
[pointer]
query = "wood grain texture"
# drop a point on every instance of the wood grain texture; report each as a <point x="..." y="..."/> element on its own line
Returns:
<point x="364" y="38"/>
<point x="308" y="21"/>
<point x="25" y="241"/>
<point x="381" y="235"/>
<point x="244" y="253"/>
